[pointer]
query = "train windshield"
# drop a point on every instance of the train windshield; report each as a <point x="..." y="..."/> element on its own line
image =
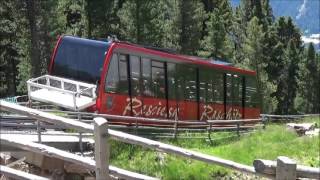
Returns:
<point x="80" y="59"/>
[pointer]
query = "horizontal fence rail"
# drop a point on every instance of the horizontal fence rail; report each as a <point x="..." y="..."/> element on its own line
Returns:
<point x="165" y="128"/>
<point x="157" y="120"/>
<point x="132" y="139"/>
<point x="284" y="118"/>
<point x="269" y="167"/>
<point x="20" y="175"/>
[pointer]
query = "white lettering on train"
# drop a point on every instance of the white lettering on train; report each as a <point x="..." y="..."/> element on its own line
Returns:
<point x="160" y="109"/>
<point x="210" y="113"/>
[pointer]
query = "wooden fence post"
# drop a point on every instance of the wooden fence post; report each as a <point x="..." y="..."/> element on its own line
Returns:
<point x="102" y="148"/>
<point x="238" y="130"/>
<point x="175" y="128"/>
<point x="286" y="168"/>
<point x="39" y="130"/>
<point x="80" y="135"/>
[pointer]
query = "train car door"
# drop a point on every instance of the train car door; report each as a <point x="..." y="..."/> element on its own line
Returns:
<point x="237" y="109"/>
<point x="135" y="86"/>
<point x="115" y="98"/>
<point x="154" y="88"/>
<point x="206" y="106"/>
<point x="233" y="96"/>
<point x="211" y="94"/>
<point x="252" y="105"/>
<point x="158" y="80"/>
<point x="187" y="100"/>
<point x="173" y="92"/>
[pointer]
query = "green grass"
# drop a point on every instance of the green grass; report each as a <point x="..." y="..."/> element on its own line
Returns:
<point x="274" y="141"/>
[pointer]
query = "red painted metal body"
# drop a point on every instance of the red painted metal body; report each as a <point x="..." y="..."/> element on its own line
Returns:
<point x="149" y="107"/>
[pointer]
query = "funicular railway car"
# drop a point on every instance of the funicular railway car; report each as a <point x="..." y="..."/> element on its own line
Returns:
<point x="133" y="80"/>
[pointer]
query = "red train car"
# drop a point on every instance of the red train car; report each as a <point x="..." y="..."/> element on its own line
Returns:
<point x="138" y="81"/>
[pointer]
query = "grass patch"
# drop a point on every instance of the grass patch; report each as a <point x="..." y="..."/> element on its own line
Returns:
<point x="270" y="143"/>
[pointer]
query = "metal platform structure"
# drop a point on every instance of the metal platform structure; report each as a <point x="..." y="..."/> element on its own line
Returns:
<point x="66" y="93"/>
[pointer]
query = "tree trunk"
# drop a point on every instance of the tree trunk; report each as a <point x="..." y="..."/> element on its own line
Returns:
<point x="34" y="51"/>
<point x="138" y="21"/>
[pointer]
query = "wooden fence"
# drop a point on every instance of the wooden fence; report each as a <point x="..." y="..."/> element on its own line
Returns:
<point x="171" y="127"/>
<point x="284" y="118"/>
<point x="283" y="168"/>
<point x="16" y="174"/>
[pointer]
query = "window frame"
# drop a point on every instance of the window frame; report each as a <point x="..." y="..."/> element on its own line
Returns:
<point x="126" y="88"/>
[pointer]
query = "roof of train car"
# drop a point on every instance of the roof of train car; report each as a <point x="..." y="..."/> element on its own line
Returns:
<point x="163" y="54"/>
<point x="187" y="58"/>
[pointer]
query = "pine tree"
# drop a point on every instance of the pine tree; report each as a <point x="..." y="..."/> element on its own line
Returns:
<point x="8" y="48"/>
<point x="71" y="17"/>
<point x="309" y="81"/>
<point x="243" y="14"/>
<point x="267" y="11"/>
<point x="32" y="10"/>
<point x="150" y="23"/>
<point x="286" y="64"/>
<point x="253" y="50"/>
<point x="316" y="85"/>
<point x="39" y="31"/>
<point x="102" y="19"/>
<point x="238" y="35"/>
<point x="291" y="56"/>
<point x="216" y="43"/>
<point x="191" y="16"/>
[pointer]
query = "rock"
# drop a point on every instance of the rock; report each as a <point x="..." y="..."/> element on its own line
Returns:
<point x="301" y="128"/>
<point x="314" y="132"/>
<point x="4" y="158"/>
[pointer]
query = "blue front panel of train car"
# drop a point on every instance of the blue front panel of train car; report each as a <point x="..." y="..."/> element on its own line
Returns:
<point x="80" y="59"/>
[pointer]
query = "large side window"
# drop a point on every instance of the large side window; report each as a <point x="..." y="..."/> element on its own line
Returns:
<point x="146" y="77"/>
<point x="172" y="87"/>
<point x="229" y="94"/>
<point x="117" y="76"/>
<point x="158" y="79"/>
<point x="252" y="99"/>
<point x="205" y="85"/>
<point x="135" y="75"/>
<point x="186" y="82"/>
<point x="123" y="74"/>
<point x="180" y="82"/>
<point x="218" y="89"/>
<point x="237" y="90"/>
<point x="191" y="84"/>
<point x="112" y="80"/>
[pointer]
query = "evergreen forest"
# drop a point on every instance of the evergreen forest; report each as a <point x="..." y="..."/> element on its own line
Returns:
<point x="248" y="36"/>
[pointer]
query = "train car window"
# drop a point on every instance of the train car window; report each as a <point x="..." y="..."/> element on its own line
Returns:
<point x="237" y="90"/>
<point x="180" y="82"/>
<point x="135" y="75"/>
<point x="112" y="80"/>
<point x="190" y="88"/>
<point x="186" y="83"/>
<point x="252" y="99"/>
<point x="171" y="73"/>
<point x="157" y="64"/>
<point x="123" y="74"/>
<point x="205" y="85"/>
<point x="229" y="86"/>
<point x="210" y="91"/>
<point x="158" y="79"/>
<point x="146" y="77"/>
<point x="218" y="89"/>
